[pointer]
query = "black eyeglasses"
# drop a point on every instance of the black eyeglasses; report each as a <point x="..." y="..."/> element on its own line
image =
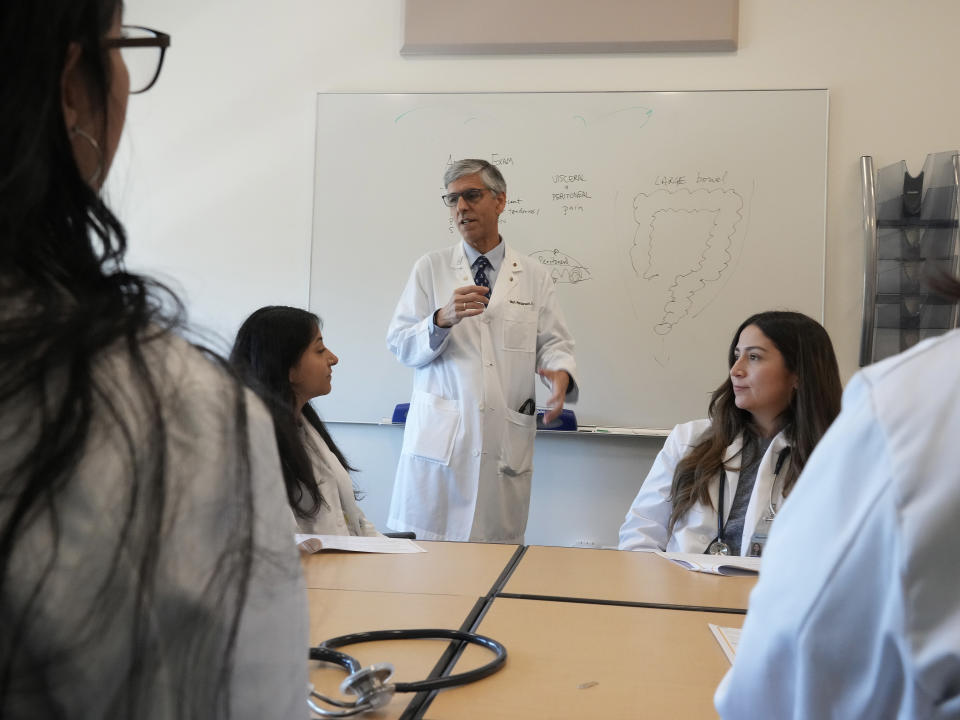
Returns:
<point x="471" y="196"/>
<point x="142" y="49"/>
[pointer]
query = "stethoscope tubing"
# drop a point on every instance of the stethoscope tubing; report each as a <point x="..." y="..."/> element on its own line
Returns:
<point x="721" y="522"/>
<point x="326" y="651"/>
<point x="328" y="654"/>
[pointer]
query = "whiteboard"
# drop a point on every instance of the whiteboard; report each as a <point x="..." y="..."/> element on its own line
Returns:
<point x="665" y="218"/>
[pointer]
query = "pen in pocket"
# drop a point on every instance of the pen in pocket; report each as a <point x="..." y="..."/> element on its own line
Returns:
<point x="528" y="407"/>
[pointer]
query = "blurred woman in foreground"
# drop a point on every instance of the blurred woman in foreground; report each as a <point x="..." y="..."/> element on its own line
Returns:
<point x="146" y="566"/>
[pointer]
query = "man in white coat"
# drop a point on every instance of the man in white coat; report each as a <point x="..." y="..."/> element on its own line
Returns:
<point x="477" y="321"/>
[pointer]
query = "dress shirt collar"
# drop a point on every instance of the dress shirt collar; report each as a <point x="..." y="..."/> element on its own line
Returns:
<point x="495" y="256"/>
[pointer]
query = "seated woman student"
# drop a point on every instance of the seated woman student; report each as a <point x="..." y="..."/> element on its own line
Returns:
<point x="781" y="395"/>
<point x="146" y="565"/>
<point x="280" y="353"/>
<point x="856" y="612"/>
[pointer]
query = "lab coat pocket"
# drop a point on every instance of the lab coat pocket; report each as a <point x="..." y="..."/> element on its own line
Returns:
<point x="520" y="331"/>
<point x="432" y="424"/>
<point x="516" y="453"/>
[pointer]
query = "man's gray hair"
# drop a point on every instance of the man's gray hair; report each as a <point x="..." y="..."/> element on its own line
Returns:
<point x="489" y="173"/>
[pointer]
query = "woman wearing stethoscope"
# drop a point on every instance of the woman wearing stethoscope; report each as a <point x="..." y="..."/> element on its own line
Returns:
<point x="781" y="395"/>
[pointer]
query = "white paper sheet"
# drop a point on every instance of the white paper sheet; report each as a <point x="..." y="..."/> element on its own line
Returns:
<point x="728" y="638"/>
<point x="715" y="564"/>
<point x="350" y="543"/>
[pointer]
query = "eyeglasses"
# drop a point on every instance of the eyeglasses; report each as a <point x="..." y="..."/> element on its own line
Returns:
<point x="471" y="196"/>
<point x="142" y="50"/>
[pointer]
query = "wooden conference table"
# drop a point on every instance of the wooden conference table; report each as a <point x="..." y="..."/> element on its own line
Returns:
<point x="589" y="633"/>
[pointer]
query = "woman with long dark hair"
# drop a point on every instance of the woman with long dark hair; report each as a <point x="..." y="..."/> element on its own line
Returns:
<point x="146" y="566"/>
<point x="856" y="611"/>
<point x="781" y="395"/>
<point x="280" y="353"/>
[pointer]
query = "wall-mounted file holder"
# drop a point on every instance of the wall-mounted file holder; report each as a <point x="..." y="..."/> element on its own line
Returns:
<point x="910" y="235"/>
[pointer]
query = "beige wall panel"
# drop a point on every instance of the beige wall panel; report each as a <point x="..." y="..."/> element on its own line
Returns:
<point x="569" y="26"/>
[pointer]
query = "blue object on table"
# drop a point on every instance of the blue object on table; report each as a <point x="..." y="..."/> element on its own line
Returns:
<point x="400" y="413"/>
<point x="567" y="421"/>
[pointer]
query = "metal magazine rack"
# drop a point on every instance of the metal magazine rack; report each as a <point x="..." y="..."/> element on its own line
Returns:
<point x="911" y="233"/>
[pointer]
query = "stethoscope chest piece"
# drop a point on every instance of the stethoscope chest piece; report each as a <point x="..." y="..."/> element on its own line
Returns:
<point x="718" y="547"/>
<point x="370" y="685"/>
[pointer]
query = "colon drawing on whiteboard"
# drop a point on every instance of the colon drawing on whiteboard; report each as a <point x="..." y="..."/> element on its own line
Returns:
<point x="562" y="267"/>
<point x="683" y="245"/>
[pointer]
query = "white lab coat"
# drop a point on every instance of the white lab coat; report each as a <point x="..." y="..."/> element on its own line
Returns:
<point x="89" y="671"/>
<point x="857" y="611"/>
<point x="340" y="514"/>
<point x="645" y="527"/>
<point x="467" y="459"/>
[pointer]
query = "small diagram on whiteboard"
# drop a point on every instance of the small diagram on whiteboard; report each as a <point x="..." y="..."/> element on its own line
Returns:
<point x="561" y="266"/>
<point x="683" y="245"/>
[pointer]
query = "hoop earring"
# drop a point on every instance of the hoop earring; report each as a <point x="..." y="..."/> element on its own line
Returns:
<point x="76" y="131"/>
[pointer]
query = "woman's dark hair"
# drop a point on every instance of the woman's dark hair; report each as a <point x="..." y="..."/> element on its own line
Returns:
<point x="269" y="343"/>
<point x="945" y="284"/>
<point x="808" y="353"/>
<point x="65" y="299"/>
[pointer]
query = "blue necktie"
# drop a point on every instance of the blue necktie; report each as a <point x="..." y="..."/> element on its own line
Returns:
<point x="480" y="276"/>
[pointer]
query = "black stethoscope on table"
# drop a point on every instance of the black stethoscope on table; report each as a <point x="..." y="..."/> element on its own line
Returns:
<point x="371" y="685"/>
<point x="717" y="546"/>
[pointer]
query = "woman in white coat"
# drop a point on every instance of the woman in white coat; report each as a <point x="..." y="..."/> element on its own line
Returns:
<point x="860" y="618"/>
<point x="280" y="354"/>
<point x="146" y="564"/>
<point x="781" y="395"/>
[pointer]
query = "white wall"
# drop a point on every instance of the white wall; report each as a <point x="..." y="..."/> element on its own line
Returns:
<point x="214" y="177"/>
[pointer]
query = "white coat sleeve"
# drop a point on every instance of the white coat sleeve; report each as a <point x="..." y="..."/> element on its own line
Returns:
<point x="269" y="675"/>
<point x="367" y="528"/>
<point x="821" y="636"/>
<point x="645" y="527"/>
<point x="554" y="341"/>
<point x="352" y="508"/>
<point x="408" y="336"/>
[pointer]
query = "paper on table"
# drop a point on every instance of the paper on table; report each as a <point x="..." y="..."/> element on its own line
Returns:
<point x="728" y="638"/>
<point x="351" y="543"/>
<point x="715" y="564"/>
